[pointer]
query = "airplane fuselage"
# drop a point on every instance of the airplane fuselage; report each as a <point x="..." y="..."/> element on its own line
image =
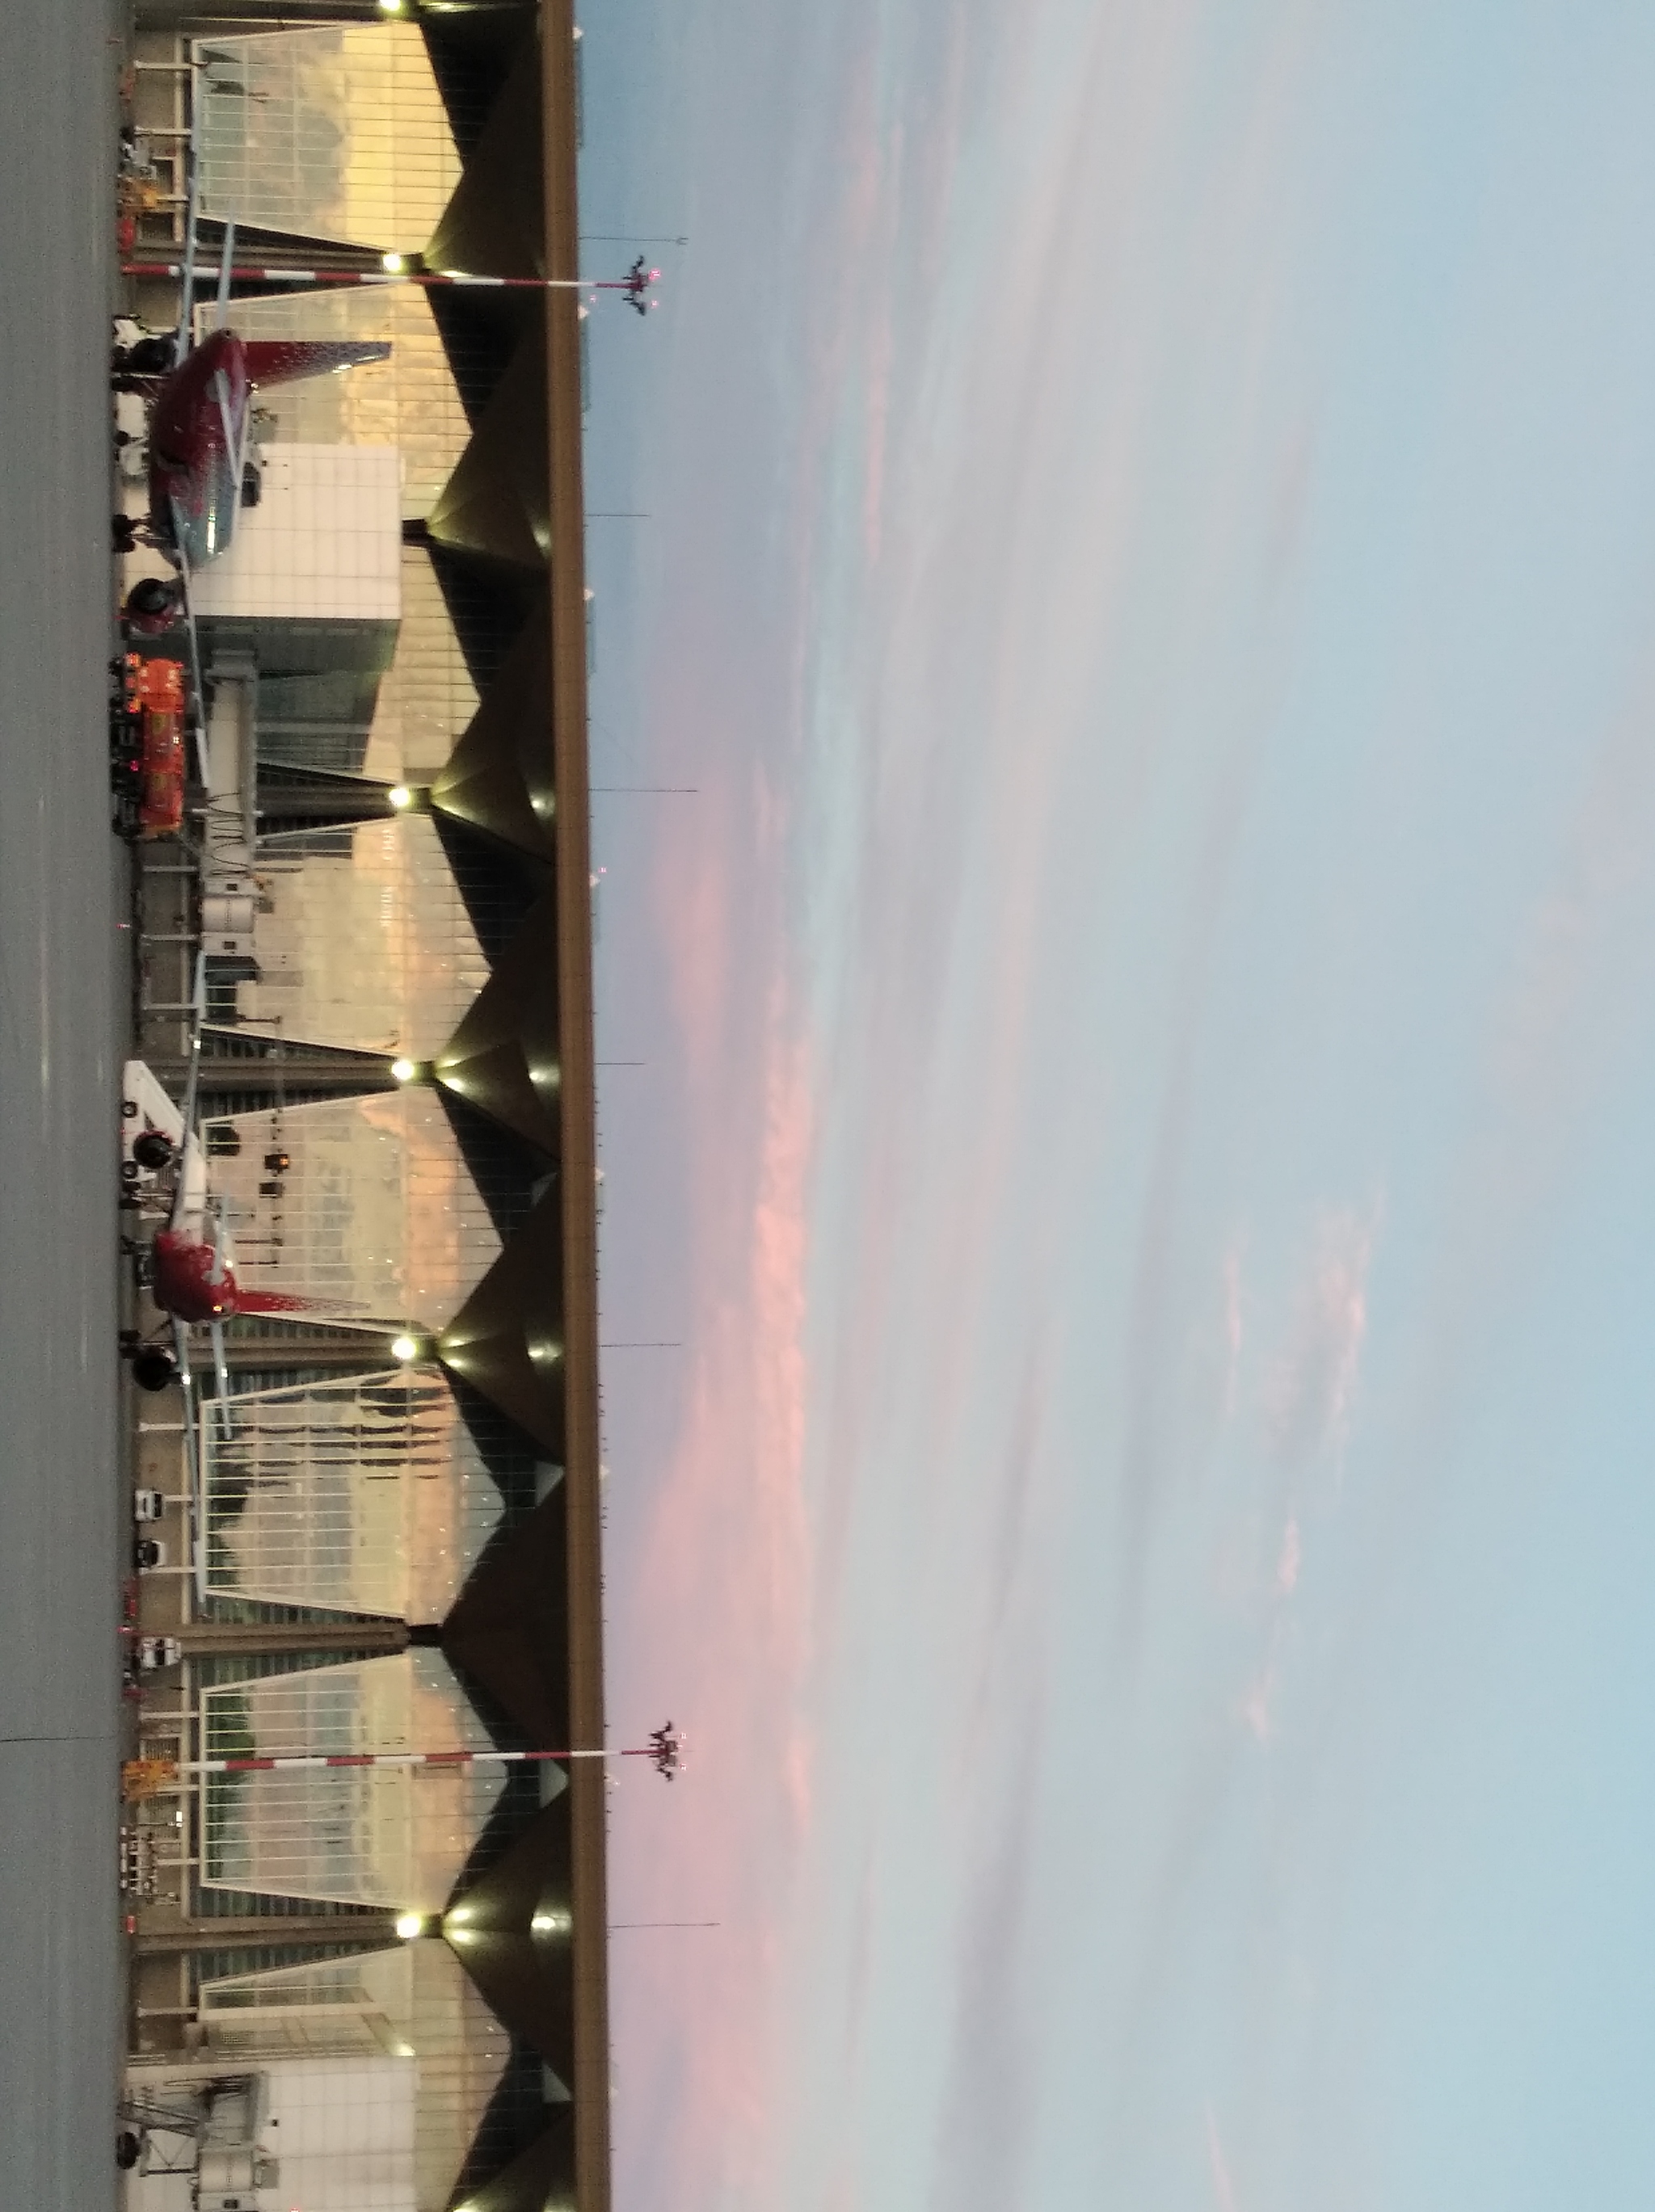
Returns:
<point x="197" y="434"/>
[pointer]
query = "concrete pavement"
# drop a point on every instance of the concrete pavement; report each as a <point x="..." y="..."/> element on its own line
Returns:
<point x="61" y="1020"/>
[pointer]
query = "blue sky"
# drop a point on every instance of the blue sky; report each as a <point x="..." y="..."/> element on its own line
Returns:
<point x="1144" y="1139"/>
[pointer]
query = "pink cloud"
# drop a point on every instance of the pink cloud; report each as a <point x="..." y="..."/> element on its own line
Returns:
<point x="1257" y="1707"/>
<point x="1233" y="1329"/>
<point x="717" y="1601"/>
<point x="1312" y="1392"/>
<point x="1309" y="1402"/>
<point x="1224" y="2188"/>
<point x="1292" y="1556"/>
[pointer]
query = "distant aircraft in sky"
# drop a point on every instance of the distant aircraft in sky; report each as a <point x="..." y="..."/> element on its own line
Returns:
<point x="666" y="1753"/>
<point x="638" y="280"/>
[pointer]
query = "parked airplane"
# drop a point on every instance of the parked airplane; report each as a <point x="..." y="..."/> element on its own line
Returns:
<point x="200" y="476"/>
<point x="201" y="411"/>
<point x="191" y="1265"/>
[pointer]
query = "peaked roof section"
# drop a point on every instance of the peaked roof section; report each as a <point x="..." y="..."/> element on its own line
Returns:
<point x="506" y="1339"/>
<point x="470" y="52"/>
<point x="498" y="885"/>
<point x="523" y="1971"/>
<point x="495" y="224"/>
<point x="294" y="797"/>
<point x="504" y="1056"/>
<point x="503" y="1634"/>
<point x="510" y="1175"/>
<point x="480" y="330"/>
<point x="497" y="504"/>
<point x="499" y="775"/>
<point x="542" y="2175"/>
<point x="487" y="603"/>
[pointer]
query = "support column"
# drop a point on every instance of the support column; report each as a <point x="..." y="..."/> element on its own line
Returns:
<point x="214" y="1640"/>
<point x="370" y="1931"/>
<point x="316" y="1075"/>
<point x="363" y="1355"/>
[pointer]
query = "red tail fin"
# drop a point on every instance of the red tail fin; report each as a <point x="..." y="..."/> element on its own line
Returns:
<point x="284" y="361"/>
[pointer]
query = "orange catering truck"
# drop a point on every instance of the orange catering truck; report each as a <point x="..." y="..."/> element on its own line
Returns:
<point x="146" y="732"/>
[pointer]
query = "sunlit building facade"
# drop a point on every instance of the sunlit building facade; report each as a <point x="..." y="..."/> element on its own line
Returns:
<point x="396" y="1546"/>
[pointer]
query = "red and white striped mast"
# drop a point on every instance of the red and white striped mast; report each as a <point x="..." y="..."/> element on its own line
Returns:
<point x="636" y="287"/>
<point x="665" y="1752"/>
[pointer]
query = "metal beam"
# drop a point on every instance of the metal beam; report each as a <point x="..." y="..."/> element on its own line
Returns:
<point x="362" y="1931"/>
<point x="292" y="15"/>
<point x="363" y="1354"/>
<point x="316" y="1074"/>
<point x="588" y="1815"/>
<point x="204" y="1639"/>
<point x="183" y="17"/>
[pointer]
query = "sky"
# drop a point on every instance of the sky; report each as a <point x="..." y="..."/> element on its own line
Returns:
<point x="1124" y="715"/>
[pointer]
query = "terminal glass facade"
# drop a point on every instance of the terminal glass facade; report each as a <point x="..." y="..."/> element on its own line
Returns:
<point x="366" y="1494"/>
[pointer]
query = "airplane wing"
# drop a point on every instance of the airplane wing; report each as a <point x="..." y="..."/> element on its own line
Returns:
<point x="197" y="689"/>
<point x="226" y="263"/>
<point x="232" y="442"/>
<point x="221" y="1372"/>
<point x="186" y="1112"/>
<point x="236" y="444"/>
<point x="181" y="1354"/>
<point x="186" y="299"/>
<point x="193" y="1460"/>
<point x="221" y="1363"/>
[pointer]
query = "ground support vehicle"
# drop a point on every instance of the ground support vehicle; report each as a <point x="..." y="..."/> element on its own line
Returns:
<point x="152" y="1134"/>
<point x="146" y="746"/>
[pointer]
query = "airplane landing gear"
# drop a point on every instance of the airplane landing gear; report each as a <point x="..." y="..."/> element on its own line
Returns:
<point x="153" y="1369"/>
<point x="154" y="603"/>
<point x="149" y="356"/>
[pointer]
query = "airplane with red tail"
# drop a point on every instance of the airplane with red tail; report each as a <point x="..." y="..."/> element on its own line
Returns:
<point x="199" y="425"/>
<point x="191" y="1263"/>
<point x="201" y="411"/>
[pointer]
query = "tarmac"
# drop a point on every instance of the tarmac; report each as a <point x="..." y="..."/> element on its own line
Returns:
<point x="64" y="1012"/>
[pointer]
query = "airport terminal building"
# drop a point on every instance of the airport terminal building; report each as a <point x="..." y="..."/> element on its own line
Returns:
<point x="394" y="1541"/>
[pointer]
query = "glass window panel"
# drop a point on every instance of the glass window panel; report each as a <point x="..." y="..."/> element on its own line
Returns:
<point x="362" y="939"/>
<point x="413" y="2003"/>
<point x="410" y="401"/>
<point x="375" y="1214"/>
<point x="395" y="1837"/>
<point x="337" y="132"/>
<point x="367" y="1494"/>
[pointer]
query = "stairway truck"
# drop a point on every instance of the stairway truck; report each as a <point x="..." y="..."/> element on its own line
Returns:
<point x="152" y="1132"/>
